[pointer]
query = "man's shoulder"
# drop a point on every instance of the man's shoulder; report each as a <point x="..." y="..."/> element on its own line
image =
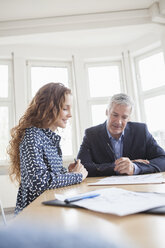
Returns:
<point x="136" y="124"/>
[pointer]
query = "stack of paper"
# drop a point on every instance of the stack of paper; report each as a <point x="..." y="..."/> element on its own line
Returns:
<point x="121" y="202"/>
<point x="136" y="179"/>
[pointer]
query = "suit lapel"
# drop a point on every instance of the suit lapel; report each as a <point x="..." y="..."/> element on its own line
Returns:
<point x="105" y="141"/>
<point x="128" y="141"/>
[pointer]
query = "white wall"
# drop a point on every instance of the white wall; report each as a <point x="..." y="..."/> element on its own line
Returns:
<point x="8" y="192"/>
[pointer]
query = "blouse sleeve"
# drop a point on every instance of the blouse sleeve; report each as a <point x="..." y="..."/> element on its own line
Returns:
<point x="35" y="173"/>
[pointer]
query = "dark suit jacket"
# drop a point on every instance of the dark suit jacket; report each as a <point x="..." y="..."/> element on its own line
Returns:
<point x="97" y="155"/>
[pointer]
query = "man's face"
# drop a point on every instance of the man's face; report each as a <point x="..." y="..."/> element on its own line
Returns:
<point x="117" y="118"/>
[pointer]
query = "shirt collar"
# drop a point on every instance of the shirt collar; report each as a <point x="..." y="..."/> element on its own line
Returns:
<point x="55" y="137"/>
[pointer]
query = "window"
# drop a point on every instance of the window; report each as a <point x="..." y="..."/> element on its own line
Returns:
<point x="98" y="113"/>
<point x="6" y="119"/>
<point x="151" y="86"/>
<point x="152" y="73"/>
<point x="41" y="73"/>
<point x="104" y="80"/>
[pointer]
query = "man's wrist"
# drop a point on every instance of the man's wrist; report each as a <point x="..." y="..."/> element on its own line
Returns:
<point x="136" y="169"/>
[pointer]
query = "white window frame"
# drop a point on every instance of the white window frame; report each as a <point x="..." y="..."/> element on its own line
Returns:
<point x="143" y="95"/>
<point x="65" y="64"/>
<point x="8" y="102"/>
<point x="101" y="100"/>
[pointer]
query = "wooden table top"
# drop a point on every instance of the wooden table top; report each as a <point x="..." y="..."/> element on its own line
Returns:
<point x="144" y="230"/>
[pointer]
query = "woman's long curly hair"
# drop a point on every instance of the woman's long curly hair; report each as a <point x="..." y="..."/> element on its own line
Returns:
<point x="42" y="112"/>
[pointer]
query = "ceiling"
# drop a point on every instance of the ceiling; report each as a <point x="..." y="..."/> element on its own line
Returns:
<point x="79" y="23"/>
<point x="23" y="9"/>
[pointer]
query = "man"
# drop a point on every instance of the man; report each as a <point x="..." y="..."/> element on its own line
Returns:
<point x="119" y="146"/>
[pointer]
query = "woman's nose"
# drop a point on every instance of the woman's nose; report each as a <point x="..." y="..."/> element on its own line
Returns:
<point x="69" y="114"/>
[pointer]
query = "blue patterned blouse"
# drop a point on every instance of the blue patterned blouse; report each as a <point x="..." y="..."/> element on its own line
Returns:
<point x="41" y="166"/>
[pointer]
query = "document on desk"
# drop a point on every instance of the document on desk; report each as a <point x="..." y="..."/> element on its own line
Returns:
<point x="135" y="179"/>
<point x="121" y="202"/>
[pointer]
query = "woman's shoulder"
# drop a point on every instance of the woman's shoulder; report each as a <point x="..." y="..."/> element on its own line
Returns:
<point x="34" y="133"/>
<point x="33" y="130"/>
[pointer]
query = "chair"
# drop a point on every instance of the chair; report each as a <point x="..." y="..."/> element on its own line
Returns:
<point x="3" y="213"/>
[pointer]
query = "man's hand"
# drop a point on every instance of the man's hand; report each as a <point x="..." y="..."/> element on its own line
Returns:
<point x="124" y="166"/>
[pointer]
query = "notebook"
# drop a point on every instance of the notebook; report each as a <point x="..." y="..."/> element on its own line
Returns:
<point x="157" y="210"/>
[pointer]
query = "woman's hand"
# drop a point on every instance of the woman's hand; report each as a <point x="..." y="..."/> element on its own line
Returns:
<point x="78" y="168"/>
<point x="71" y="167"/>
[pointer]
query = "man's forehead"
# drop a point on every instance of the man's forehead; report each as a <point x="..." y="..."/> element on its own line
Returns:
<point x="120" y="106"/>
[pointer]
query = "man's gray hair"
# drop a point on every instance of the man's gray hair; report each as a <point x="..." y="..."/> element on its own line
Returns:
<point x="121" y="99"/>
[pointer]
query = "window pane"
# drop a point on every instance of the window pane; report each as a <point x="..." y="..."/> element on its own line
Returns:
<point x="156" y="118"/>
<point x="44" y="75"/>
<point x="104" y="81"/>
<point x="3" y="80"/>
<point x="66" y="139"/>
<point x="98" y="114"/>
<point x="4" y="132"/>
<point x="152" y="71"/>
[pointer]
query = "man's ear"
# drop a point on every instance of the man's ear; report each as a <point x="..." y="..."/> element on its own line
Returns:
<point x="106" y="112"/>
<point x="129" y="118"/>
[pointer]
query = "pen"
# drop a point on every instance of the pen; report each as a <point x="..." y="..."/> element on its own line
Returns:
<point x="75" y="160"/>
<point x="78" y="198"/>
<point x="112" y="151"/>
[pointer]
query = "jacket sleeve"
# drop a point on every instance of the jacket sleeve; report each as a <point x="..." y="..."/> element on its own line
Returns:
<point x="155" y="154"/>
<point x="36" y="174"/>
<point x="88" y="153"/>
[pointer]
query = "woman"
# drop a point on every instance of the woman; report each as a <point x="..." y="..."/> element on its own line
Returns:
<point x="35" y="154"/>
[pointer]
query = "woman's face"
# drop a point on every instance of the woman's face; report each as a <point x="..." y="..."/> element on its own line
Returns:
<point x="65" y="114"/>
